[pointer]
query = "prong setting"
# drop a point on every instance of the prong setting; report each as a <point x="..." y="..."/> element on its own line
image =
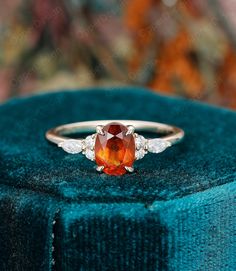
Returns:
<point x="99" y="130"/>
<point x="131" y="129"/>
<point x="129" y="169"/>
<point x="100" y="168"/>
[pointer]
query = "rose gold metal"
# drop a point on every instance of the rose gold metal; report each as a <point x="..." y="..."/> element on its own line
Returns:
<point x="170" y="133"/>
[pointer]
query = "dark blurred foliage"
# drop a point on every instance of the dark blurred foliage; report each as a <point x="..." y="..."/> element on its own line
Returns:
<point x="184" y="48"/>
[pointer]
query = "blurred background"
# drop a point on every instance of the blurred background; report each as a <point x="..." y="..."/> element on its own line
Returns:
<point x="185" y="48"/>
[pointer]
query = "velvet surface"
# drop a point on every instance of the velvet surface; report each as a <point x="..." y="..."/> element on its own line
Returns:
<point x="157" y="218"/>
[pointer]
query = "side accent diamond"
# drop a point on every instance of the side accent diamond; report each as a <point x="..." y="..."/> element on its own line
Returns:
<point x="71" y="146"/>
<point x="140" y="142"/>
<point x="157" y="145"/>
<point x="89" y="154"/>
<point x="139" y="154"/>
<point x="89" y="142"/>
<point x="140" y="146"/>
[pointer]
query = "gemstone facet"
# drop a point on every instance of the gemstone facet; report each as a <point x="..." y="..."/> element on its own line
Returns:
<point x="115" y="149"/>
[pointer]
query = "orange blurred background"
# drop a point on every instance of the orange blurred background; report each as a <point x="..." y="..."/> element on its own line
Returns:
<point x="184" y="48"/>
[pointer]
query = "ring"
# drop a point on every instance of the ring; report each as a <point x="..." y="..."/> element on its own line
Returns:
<point x="115" y="144"/>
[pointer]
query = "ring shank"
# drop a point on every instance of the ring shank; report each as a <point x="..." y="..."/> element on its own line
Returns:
<point x="170" y="133"/>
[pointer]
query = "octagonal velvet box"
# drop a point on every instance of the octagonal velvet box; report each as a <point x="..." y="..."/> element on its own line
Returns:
<point x="177" y="211"/>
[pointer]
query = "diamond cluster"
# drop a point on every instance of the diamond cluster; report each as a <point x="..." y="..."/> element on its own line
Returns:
<point x="141" y="146"/>
<point x="75" y="146"/>
<point x="89" y="145"/>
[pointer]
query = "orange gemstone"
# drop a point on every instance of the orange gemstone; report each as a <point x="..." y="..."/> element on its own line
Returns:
<point x="115" y="150"/>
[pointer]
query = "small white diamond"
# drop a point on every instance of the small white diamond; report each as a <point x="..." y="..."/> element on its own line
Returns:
<point x="89" y="154"/>
<point x="139" y="154"/>
<point x="140" y="142"/>
<point x="71" y="146"/>
<point x="157" y="145"/>
<point x="89" y="142"/>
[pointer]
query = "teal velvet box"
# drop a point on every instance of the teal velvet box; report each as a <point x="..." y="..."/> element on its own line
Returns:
<point x="177" y="211"/>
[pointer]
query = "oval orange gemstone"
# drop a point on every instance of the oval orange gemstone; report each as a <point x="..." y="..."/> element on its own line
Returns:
<point x="115" y="150"/>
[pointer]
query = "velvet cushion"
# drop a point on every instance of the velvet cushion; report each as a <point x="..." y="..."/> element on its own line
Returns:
<point x="175" y="212"/>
